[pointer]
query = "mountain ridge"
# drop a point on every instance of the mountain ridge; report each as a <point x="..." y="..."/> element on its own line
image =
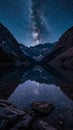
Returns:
<point x="9" y="48"/>
<point x="62" y="55"/>
<point x="39" y="51"/>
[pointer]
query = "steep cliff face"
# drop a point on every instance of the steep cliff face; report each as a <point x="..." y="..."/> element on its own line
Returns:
<point x="9" y="48"/>
<point x="62" y="54"/>
<point x="66" y="40"/>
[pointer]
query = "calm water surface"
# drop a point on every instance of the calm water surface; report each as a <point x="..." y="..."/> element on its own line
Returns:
<point x="24" y="87"/>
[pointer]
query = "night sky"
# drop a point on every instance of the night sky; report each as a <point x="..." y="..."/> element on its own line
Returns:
<point x="36" y="21"/>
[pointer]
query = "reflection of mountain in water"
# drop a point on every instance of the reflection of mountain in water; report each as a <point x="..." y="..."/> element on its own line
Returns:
<point x="39" y="85"/>
<point x="51" y="76"/>
<point x="11" y="78"/>
<point x="41" y="75"/>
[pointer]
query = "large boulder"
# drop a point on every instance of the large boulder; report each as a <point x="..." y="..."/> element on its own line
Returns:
<point x="42" y="107"/>
<point x="12" y="118"/>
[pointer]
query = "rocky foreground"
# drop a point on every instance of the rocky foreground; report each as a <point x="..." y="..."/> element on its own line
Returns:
<point x="11" y="118"/>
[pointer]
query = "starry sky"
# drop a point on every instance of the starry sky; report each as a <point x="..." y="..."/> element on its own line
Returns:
<point x="36" y="21"/>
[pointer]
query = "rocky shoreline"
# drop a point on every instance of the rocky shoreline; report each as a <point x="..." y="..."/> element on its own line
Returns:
<point x="12" y="118"/>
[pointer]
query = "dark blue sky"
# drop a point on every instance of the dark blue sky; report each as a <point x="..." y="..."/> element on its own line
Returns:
<point x="52" y="19"/>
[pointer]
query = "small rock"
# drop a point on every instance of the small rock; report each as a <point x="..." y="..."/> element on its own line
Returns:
<point x="42" y="107"/>
<point x="3" y="124"/>
<point x="23" y="123"/>
<point x="61" y="123"/>
<point x="31" y="113"/>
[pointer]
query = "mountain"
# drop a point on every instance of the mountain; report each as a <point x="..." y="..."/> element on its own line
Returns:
<point x="10" y="51"/>
<point x="62" y="54"/>
<point x="37" y="52"/>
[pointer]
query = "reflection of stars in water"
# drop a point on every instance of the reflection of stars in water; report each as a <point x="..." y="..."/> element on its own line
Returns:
<point x="36" y="91"/>
<point x="37" y="84"/>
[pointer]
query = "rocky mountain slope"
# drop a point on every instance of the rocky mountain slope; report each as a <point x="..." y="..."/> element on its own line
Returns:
<point x="62" y="54"/>
<point x="9" y="48"/>
<point x="37" y="52"/>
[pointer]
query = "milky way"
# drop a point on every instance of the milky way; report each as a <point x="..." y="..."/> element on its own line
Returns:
<point x="39" y="29"/>
<point x="36" y="21"/>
